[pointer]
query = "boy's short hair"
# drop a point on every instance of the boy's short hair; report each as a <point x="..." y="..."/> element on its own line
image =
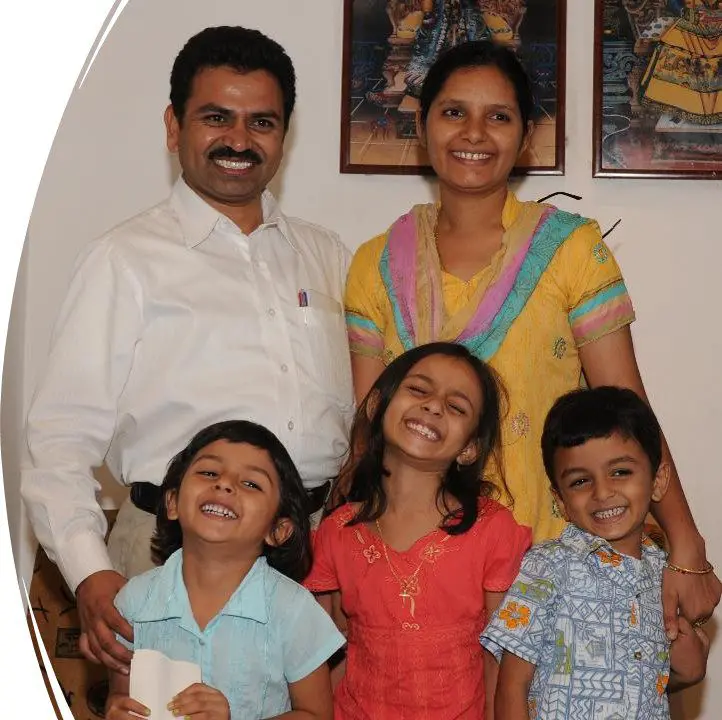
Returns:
<point x="583" y="415"/>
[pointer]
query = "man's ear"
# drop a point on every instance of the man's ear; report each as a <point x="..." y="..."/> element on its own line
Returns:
<point x="469" y="455"/>
<point x="661" y="481"/>
<point x="172" y="129"/>
<point x="171" y="504"/>
<point x="281" y="531"/>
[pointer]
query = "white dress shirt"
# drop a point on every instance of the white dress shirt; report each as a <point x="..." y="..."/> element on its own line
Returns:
<point x="175" y="320"/>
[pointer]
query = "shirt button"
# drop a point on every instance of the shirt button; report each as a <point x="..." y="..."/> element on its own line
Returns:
<point x="290" y="425"/>
<point x="271" y="312"/>
<point x="637" y="655"/>
<point x="284" y="368"/>
<point x="201" y="642"/>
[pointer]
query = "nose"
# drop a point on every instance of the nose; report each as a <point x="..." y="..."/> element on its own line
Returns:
<point x="237" y="137"/>
<point x="432" y="405"/>
<point x="224" y="484"/>
<point x="603" y="489"/>
<point x="475" y="129"/>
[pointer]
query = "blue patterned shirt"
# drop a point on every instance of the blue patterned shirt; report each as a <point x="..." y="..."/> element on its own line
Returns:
<point x="590" y="619"/>
<point x="271" y="632"/>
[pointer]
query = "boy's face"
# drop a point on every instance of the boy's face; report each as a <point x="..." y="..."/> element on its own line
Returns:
<point x="605" y="487"/>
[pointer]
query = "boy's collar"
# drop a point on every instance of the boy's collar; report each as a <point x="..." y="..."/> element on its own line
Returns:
<point x="585" y="544"/>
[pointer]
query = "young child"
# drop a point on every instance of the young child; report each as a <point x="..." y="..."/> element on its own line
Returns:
<point x="421" y="554"/>
<point x="580" y="633"/>
<point x="232" y="532"/>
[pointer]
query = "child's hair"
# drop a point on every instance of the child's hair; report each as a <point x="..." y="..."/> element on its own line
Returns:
<point x="463" y="482"/>
<point x="292" y="557"/>
<point x="583" y="415"/>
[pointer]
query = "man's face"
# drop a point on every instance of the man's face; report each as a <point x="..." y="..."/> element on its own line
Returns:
<point x="230" y="139"/>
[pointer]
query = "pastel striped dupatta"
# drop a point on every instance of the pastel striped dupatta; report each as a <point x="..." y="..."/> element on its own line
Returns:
<point x="412" y="275"/>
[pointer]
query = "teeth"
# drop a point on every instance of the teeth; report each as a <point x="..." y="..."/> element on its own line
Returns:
<point x="472" y="155"/>
<point x="219" y="510"/>
<point x="608" y="514"/>
<point x="233" y="164"/>
<point x="423" y="430"/>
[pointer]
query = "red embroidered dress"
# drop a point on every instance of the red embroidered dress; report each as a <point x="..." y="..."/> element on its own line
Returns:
<point x="415" y="618"/>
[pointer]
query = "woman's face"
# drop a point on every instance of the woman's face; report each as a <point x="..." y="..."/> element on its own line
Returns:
<point x="474" y="131"/>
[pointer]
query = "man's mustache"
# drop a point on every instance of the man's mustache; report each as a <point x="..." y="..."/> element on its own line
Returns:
<point x="228" y="153"/>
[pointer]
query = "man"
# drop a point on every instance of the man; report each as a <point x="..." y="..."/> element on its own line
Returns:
<point x="212" y="305"/>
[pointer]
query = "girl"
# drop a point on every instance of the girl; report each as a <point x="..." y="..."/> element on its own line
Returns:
<point x="232" y="531"/>
<point x="421" y="554"/>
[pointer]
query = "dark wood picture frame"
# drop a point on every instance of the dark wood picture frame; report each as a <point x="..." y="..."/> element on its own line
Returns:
<point x="652" y="113"/>
<point x="378" y="134"/>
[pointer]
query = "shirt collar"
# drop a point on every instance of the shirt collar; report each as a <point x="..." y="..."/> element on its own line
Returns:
<point x="585" y="544"/>
<point x="168" y="598"/>
<point x="198" y="219"/>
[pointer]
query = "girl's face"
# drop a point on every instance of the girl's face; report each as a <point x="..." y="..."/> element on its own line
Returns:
<point x="433" y="415"/>
<point x="229" y="494"/>
<point x="474" y="131"/>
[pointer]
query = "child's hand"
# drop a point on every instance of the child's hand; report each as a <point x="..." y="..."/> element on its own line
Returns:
<point x="200" y="702"/>
<point x="688" y="654"/>
<point x="120" y="707"/>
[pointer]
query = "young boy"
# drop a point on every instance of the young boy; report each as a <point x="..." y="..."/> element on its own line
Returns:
<point x="580" y="633"/>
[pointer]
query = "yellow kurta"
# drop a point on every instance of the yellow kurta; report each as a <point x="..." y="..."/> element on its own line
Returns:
<point x="579" y="297"/>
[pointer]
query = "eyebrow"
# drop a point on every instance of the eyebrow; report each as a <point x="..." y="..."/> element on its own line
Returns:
<point x="613" y="461"/>
<point x="455" y="393"/>
<point x="219" y="110"/>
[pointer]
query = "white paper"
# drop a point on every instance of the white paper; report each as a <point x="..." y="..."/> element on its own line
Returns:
<point x="155" y="679"/>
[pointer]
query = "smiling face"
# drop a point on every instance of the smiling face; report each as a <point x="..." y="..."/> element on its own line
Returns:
<point x="474" y="131"/>
<point x="605" y="487"/>
<point x="230" y="140"/>
<point x="432" y="417"/>
<point x="229" y="494"/>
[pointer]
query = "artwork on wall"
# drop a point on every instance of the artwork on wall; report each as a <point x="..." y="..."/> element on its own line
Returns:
<point x="389" y="46"/>
<point x="658" y="88"/>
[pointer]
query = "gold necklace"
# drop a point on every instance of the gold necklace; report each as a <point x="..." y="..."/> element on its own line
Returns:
<point x="408" y="584"/>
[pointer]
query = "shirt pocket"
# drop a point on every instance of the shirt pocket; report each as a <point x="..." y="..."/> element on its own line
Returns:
<point x="325" y="325"/>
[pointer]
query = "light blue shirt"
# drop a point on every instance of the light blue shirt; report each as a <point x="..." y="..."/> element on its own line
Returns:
<point x="590" y="619"/>
<point x="271" y="632"/>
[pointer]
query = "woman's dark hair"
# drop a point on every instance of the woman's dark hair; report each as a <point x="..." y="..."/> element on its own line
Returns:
<point x="465" y="483"/>
<point x="583" y="415"/>
<point x="236" y="47"/>
<point x="292" y="557"/>
<point x="479" y="53"/>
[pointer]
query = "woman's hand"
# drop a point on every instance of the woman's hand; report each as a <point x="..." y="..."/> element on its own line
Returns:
<point x="688" y="656"/>
<point x="200" y="702"/>
<point x="691" y="596"/>
<point x="122" y="707"/>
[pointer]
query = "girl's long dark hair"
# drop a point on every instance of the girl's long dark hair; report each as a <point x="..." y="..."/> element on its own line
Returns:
<point x="292" y="557"/>
<point x="364" y="471"/>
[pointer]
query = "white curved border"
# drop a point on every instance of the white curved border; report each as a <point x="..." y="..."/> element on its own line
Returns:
<point x="43" y="53"/>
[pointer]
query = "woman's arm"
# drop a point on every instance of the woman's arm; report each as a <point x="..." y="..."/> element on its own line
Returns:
<point x="311" y="697"/>
<point x="492" y="600"/>
<point x="365" y="373"/>
<point x="512" y="688"/>
<point x="610" y="360"/>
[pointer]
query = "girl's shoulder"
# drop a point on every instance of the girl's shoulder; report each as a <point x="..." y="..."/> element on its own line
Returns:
<point x="340" y="517"/>
<point x="497" y="518"/>
<point x="145" y="588"/>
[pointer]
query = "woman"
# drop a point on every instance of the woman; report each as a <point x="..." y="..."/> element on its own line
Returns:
<point x="531" y="289"/>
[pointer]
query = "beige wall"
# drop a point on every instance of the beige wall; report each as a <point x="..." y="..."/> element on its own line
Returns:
<point x="109" y="162"/>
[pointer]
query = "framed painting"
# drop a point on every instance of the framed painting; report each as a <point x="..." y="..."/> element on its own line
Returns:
<point x="658" y="88"/>
<point x="389" y="46"/>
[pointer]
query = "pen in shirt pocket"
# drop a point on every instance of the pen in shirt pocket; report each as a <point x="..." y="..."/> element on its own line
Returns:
<point x="313" y="299"/>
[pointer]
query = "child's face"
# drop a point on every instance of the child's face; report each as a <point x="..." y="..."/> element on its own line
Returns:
<point x="605" y="487"/>
<point x="434" y="413"/>
<point x="229" y="494"/>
